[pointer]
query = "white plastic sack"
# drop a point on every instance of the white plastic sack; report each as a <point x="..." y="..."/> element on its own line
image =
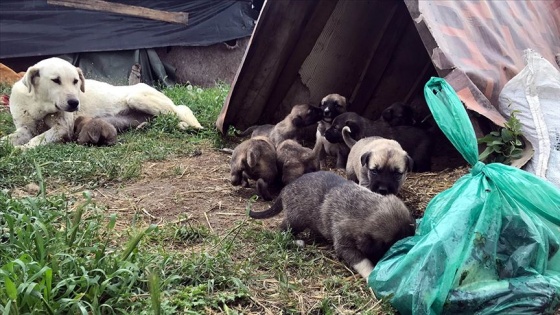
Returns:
<point x="535" y="94"/>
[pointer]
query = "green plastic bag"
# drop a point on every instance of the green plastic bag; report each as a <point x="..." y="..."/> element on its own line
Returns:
<point x="487" y="245"/>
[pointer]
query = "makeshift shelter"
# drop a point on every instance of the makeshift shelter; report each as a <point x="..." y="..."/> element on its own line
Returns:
<point x="380" y="52"/>
<point x="112" y="35"/>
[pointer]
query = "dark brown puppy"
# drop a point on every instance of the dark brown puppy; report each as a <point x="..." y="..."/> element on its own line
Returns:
<point x="299" y="117"/>
<point x="415" y="141"/>
<point x="295" y="160"/>
<point x="332" y="106"/>
<point x="255" y="159"/>
<point x="362" y="225"/>
<point x="399" y="114"/>
<point x="95" y="131"/>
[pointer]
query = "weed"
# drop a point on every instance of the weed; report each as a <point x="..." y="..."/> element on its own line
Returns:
<point x="503" y="146"/>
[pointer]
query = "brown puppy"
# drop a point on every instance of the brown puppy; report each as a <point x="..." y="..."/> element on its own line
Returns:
<point x="415" y="141"/>
<point x="254" y="159"/>
<point x="300" y="116"/>
<point x="332" y="106"/>
<point x="94" y="131"/>
<point x="295" y="160"/>
<point x="362" y="225"/>
<point x="376" y="163"/>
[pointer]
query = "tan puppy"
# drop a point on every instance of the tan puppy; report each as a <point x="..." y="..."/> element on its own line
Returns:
<point x="94" y="131"/>
<point x="299" y="117"/>
<point x="254" y="159"/>
<point x="361" y="225"/>
<point x="377" y="163"/>
<point x="332" y="106"/>
<point x="295" y="160"/>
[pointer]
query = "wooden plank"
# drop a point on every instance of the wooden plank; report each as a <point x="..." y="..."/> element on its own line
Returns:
<point x="131" y="10"/>
<point x="301" y="51"/>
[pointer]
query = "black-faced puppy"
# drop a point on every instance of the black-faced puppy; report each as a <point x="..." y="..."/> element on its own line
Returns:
<point x="95" y="131"/>
<point x="415" y="141"/>
<point x="300" y="116"/>
<point x="399" y="114"/>
<point x="332" y="105"/>
<point x="362" y="225"/>
<point x="295" y="160"/>
<point x="255" y="159"/>
<point x="376" y="163"/>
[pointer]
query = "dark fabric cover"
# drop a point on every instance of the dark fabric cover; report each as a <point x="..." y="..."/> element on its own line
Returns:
<point x="35" y="28"/>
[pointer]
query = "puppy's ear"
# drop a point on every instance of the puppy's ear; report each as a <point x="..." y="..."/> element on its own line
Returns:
<point x="78" y="123"/>
<point x="82" y="80"/>
<point x="354" y="128"/>
<point x="30" y="77"/>
<point x="387" y="114"/>
<point x="93" y="137"/>
<point x="365" y="157"/>
<point x="409" y="163"/>
<point x="298" y="121"/>
<point x="252" y="158"/>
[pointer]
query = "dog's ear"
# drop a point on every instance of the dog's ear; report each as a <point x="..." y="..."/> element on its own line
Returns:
<point x="365" y="157"/>
<point x="253" y="158"/>
<point x="93" y="137"/>
<point x="29" y="78"/>
<point x="409" y="163"/>
<point x="82" y="80"/>
<point x="297" y="121"/>
<point x="387" y="114"/>
<point x="354" y="128"/>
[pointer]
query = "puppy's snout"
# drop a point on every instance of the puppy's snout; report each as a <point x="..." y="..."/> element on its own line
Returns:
<point x="73" y="104"/>
<point x="235" y="180"/>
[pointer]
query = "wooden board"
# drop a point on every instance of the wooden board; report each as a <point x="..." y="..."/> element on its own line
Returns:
<point x="113" y="7"/>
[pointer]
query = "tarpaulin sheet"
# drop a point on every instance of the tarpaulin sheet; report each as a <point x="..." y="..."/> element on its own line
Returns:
<point x="35" y="28"/>
<point x="478" y="45"/>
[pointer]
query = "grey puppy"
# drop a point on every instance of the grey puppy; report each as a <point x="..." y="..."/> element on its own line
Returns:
<point x="95" y="131"/>
<point x="376" y="163"/>
<point x="362" y="225"/>
<point x="299" y="117"/>
<point x="332" y="105"/>
<point x="417" y="142"/>
<point x="255" y="159"/>
<point x="295" y="160"/>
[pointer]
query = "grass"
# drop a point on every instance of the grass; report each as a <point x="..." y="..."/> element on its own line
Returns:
<point x="62" y="253"/>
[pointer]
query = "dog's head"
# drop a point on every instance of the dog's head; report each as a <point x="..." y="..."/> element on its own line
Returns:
<point x="385" y="166"/>
<point x="305" y="115"/>
<point x="334" y="133"/>
<point x="333" y="105"/>
<point x="399" y="114"/>
<point x="255" y="157"/>
<point x="56" y="82"/>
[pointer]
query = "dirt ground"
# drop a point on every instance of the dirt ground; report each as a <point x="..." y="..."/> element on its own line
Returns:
<point x="198" y="188"/>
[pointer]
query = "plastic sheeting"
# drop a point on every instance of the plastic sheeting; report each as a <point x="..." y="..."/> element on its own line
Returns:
<point x="488" y="245"/>
<point x="35" y="28"/>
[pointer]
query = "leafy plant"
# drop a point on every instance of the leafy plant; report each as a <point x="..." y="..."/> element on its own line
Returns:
<point x="504" y="145"/>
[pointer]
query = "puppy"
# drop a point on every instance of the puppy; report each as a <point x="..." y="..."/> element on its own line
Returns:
<point x="378" y="164"/>
<point x="332" y="105"/>
<point x="94" y="131"/>
<point x="399" y="114"/>
<point x="361" y="224"/>
<point x="415" y="141"/>
<point x="295" y="160"/>
<point x="255" y="131"/>
<point x="255" y="159"/>
<point x="300" y="116"/>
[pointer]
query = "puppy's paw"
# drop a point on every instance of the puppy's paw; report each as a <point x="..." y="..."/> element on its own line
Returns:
<point x="142" y="125"/>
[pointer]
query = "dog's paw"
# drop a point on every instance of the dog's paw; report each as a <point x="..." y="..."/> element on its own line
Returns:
<point x="142" y="125"/>
<point x="185" y="125"/>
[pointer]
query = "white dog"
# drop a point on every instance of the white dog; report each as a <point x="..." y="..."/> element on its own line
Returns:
<point x="53" y="92"/>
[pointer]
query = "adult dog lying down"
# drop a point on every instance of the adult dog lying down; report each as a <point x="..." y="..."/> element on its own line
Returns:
<point x="53" y="92"/>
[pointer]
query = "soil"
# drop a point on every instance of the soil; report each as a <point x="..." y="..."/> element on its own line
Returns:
<point x="198" y="188"/>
